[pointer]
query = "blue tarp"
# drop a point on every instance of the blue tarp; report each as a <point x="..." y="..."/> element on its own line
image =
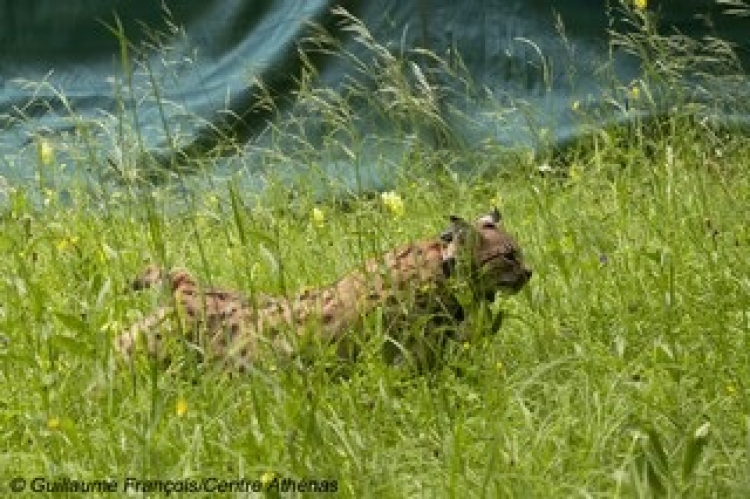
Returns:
<point x="110" y="81"/>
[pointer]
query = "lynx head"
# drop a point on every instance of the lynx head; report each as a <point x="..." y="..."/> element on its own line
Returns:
<point x="486" y="253"/>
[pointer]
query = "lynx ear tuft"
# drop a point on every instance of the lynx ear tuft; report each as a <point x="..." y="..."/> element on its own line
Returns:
<point x="495" y="215"/>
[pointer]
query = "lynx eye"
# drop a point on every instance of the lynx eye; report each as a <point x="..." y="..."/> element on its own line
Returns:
<point x="447" y="236"/>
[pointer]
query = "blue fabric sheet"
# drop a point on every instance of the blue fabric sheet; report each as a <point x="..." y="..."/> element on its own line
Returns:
<point x="110" y="80"/>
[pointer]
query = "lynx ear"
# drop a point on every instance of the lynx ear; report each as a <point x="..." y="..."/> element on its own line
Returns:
<point x="495" y="215"/>
<point x="492" y="217"/>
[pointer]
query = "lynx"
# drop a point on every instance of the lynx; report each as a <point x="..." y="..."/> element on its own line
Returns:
<point x="410" y="283"/>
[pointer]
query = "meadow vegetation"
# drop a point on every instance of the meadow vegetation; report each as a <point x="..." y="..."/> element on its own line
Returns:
<point x="621" y="370"/>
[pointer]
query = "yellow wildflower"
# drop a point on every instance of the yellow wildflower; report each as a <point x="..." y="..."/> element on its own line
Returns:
<point x="46" y="152"/>
<point x="181" y="407"/>
<point x="635" y="92"/>
<point x="318" y="217"/>
<point x="53" y="423"/>
<point x="267" y="478"/>
<point x="575" y="106"/>
<point x="640" y="4"/>
<point x="393" y="202"/>
<point x="65" y="242"/>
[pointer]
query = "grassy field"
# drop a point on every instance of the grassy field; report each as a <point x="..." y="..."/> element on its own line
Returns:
<point x="621" y="370"/>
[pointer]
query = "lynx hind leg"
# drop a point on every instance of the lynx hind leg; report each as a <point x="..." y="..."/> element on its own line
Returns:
<point x="146" y="332"/>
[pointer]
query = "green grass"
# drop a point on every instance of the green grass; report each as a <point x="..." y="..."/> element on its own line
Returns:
<point x="621" y="370"/>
